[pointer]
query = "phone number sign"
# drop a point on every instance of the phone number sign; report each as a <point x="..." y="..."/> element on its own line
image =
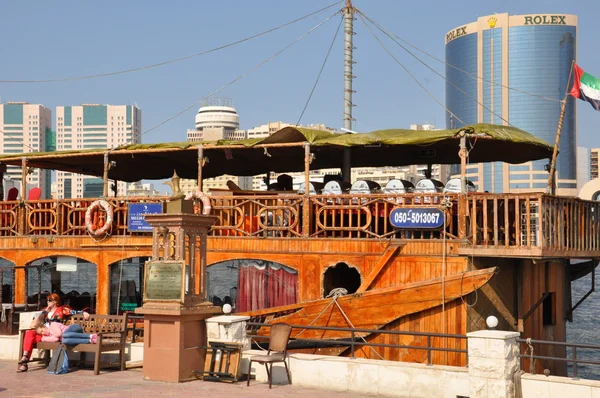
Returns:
<point x="417" y="217"/>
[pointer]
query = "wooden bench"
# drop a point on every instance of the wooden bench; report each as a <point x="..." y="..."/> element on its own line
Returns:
<point x="111" y="331"/>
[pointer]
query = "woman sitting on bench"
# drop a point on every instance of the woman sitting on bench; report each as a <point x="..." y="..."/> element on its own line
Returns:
<point x="54" y="312"/>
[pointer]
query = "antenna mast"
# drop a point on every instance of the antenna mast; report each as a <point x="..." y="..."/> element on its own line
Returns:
<point x="348" y="76"/>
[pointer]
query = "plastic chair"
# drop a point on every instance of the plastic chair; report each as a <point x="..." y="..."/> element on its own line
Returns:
<point x="34" y="194"/>
<point x="12" y="194"/>
<point x="278" y="340"/>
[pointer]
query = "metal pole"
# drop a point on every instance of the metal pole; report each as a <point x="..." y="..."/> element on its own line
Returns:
<point x="348" y="63"/>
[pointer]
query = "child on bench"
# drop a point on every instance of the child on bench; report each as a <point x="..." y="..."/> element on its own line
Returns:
<point x="69" y="335"/>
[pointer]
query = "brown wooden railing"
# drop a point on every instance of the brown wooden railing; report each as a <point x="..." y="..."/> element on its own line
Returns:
<point x="492" y="220"/>
<point x="533" y="220"/>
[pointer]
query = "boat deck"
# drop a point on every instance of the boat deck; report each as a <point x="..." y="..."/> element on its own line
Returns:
<point x="501" y="225"/>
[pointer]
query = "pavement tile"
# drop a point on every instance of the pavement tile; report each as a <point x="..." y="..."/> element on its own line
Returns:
<point x="82" y="383"/>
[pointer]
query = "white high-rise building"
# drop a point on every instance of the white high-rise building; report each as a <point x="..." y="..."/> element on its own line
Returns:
<point x="89" y="126"/>
<point x="26" y="128"/>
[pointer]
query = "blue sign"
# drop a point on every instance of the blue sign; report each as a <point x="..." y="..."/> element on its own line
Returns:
<point x="136" y="213"/>
<point x="417" y="217"/>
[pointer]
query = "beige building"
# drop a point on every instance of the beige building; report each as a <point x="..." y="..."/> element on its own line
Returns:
<point x="89" y="126"/>
<point x="139" y="189"/>
<point x="594" y="152"/>
<point x="26" y="128"/>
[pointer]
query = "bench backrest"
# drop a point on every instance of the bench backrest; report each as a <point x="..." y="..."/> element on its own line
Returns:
<point x="101" y="323"/>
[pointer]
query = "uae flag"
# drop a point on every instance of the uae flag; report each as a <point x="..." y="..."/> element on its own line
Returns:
<point x="586" y="87"/>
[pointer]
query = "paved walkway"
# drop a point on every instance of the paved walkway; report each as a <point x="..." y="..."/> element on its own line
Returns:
<point x="83" y="383"/>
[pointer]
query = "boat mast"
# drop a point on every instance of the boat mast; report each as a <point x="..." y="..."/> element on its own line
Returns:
<point x="348" y="63"/>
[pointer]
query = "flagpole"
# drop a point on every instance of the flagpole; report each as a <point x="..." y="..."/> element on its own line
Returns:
<point x="551" y="189"/>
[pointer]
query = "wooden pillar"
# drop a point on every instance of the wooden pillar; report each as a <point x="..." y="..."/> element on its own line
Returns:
<point x="462" y="197"/>
<point x="20" y="288"/>
<point x="103" y="284"/>
<point x="306" y="200"/>
<point x="23" y="178"/>
<point x="200" y="162"/>
<point x="22" y="210"/>
<point x="2" y="171"/>
<point x="105" y="176"/>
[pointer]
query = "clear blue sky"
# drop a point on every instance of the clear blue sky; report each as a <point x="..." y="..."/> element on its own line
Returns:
<point x="45" y="40"/>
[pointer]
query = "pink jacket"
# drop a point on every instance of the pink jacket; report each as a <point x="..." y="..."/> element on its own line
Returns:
<point x="54" y="332"/>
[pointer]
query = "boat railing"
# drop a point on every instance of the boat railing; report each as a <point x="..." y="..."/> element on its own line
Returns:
<point x="491" y="221"/>
<point x="533" y="220"/>
<point x="437" y="346"/>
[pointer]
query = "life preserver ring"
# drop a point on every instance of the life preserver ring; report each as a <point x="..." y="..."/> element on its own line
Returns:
<point x="198" y="194"/>
<point x="92" y="227"/>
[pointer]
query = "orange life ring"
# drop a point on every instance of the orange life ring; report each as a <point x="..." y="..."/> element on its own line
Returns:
<point x="198" y="194"/>
<point x="91" y="225"/>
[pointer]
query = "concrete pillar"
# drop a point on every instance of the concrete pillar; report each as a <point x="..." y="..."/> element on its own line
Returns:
<point x="228" y="329"/>
<point x="493" y="360"/>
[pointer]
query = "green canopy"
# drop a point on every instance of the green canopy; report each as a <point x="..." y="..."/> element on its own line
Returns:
<point x="283" y="152"/>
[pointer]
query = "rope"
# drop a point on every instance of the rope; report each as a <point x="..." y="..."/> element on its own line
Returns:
<point x="241" y="76"/>
<point x="518" y="385"/>
<point x="473" y="76"/>
<point x="172" y="60"/>
<point x="430" y="68"/>
<point x="351" y="325"/>
<point x="320" y="71"/>
<point x="531" y="359"/>
<point x="409" y="73"/>
<point x="317" y="317"/>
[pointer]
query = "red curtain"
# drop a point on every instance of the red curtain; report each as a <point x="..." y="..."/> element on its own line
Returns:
<point x="264" y="288"/>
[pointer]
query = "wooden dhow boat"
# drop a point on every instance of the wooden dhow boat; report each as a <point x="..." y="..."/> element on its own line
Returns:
<point x="530" y="237"/>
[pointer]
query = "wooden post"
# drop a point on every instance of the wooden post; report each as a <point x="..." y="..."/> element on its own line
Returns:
<point x="306" y="200"/>
<point x="200" y="161"/>
<point x="551" y="189"/>
<point x="105" y="176"/>
<point x="23" y="178"/>
<point x="462" y="197"/>
<point x="2" y="171"/>
<point x="22" y="209"/>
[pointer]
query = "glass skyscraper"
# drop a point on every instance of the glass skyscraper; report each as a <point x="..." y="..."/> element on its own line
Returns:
<point x="491" y="63"/>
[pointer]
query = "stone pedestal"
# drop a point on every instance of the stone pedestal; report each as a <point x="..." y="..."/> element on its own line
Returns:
<point x="493" y="361"/>
<point x="171" y="335"/>
<point x="228" y="329"/>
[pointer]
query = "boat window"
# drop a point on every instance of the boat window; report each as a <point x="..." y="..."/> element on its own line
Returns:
<point x="340" y="275"/>
<point x="126" y="284"/>
<point x="73" y="279"/>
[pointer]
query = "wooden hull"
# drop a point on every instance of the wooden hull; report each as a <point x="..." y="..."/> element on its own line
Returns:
<point x="371" y="309"/>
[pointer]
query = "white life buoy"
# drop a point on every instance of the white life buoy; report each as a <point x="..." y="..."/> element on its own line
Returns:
<point x="198" y="194"/>
<point x="91" y="224"/>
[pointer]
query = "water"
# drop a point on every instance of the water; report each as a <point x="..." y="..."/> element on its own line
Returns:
<point x="584" y="328"/>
